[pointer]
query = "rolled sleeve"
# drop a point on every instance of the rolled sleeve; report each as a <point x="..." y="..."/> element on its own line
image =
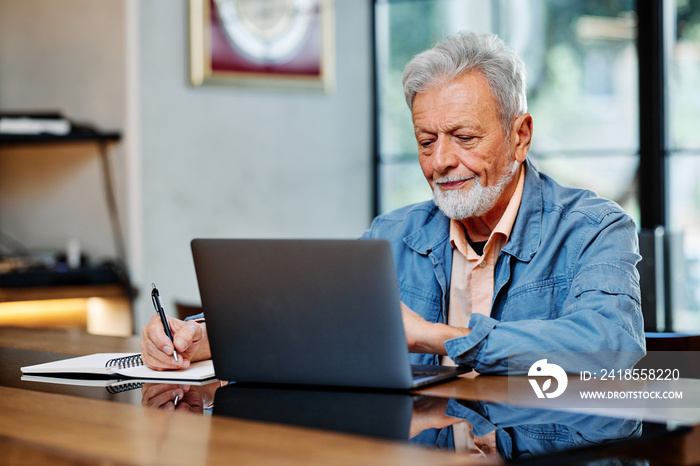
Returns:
<point x="465" y="350"/>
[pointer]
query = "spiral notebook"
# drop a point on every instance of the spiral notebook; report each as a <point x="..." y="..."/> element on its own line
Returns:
<point x="120" y="364"/>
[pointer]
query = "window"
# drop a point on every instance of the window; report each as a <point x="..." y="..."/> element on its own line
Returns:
<point x="684" y="163"/>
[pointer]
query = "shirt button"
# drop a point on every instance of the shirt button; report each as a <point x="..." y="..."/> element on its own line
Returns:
<point x="482" y="265"/>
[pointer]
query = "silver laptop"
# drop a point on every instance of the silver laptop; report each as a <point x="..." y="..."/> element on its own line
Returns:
<point x="311" y="312"/>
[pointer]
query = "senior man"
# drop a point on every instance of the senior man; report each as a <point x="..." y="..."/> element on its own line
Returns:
<point x="503" y="258"/>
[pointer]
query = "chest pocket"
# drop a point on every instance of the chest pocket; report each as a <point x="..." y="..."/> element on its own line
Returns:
<point x="421" y="301"/>
<point x="542" y="299"/>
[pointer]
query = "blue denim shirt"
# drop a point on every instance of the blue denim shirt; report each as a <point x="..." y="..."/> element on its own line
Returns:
<point x="565" y="281"/>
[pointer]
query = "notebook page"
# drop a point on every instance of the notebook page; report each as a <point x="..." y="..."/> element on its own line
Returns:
<point x="199" y="370"/>
<point x="96" y="364"/>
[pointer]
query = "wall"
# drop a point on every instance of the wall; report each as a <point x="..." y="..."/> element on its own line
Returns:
<point x="226" y="162"/>
<point x="211" y="161"/>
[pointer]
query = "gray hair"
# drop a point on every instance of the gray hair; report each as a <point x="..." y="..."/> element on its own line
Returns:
<point x="466" y="51"/>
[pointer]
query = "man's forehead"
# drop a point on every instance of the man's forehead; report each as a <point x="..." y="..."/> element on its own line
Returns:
<point x="473" y="81"/>
<point x="448" y="124"/>
<point x="463" y="101"/>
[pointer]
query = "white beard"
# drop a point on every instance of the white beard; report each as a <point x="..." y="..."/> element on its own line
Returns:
<point x="477" y="201"/>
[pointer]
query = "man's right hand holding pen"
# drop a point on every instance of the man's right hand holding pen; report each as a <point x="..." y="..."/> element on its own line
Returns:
<point x="189" y="340"/>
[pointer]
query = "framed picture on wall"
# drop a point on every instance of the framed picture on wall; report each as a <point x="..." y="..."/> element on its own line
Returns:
<point x="269" y="44"/>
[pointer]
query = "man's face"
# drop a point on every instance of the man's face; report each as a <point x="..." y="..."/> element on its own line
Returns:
<point x="462" y="147"/>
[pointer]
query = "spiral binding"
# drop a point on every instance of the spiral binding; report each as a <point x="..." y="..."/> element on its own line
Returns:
<point x="124" y="362"/>
<point x="114" y="389"/>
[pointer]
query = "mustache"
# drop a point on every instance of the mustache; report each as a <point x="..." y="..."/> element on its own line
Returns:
<point x="453" y="178"/>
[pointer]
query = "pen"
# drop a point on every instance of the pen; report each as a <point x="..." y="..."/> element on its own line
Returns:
<point x="155" y="297"/>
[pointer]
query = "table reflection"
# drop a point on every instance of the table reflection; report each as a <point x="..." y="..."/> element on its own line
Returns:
<point x="519" y="434"/>
<point x="177" y="397"/>
<point x="480" y="428"/>
<point x="375" y="414"/>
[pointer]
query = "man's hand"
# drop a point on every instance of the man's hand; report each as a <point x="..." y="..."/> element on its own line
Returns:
<point x="162" y="396"/>
<point x="426" y="337"/>
<point x="429" y="413"/>
<point x="190" y="342"/>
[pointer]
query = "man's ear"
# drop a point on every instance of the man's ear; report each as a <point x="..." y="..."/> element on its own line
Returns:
<point x="521" y="136"/>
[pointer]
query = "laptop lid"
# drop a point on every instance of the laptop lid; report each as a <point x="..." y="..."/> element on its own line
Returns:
<point x="315" y="312"/>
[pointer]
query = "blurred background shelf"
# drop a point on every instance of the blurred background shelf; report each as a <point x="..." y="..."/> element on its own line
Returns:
<point x="36" y="292"/>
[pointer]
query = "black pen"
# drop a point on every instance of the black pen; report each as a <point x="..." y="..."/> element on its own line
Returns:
<point x="155" y="297"/>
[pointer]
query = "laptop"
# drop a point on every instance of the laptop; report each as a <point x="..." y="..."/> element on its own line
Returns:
<point x="308" y="312"/>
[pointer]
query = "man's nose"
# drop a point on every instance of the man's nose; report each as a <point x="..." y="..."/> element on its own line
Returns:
<point x="444" y="156"/>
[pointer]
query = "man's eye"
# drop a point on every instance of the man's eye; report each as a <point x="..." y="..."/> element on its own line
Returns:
<point x="425" y="143"/>
<point x="465" y="138"/>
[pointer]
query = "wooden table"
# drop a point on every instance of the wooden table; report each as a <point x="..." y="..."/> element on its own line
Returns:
<point x="52" y="428"/>
<point x="47" y="428"/>
<point x="58" y="429"/>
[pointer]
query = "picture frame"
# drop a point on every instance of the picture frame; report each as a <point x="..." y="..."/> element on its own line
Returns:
<point x="263" y="44"/>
